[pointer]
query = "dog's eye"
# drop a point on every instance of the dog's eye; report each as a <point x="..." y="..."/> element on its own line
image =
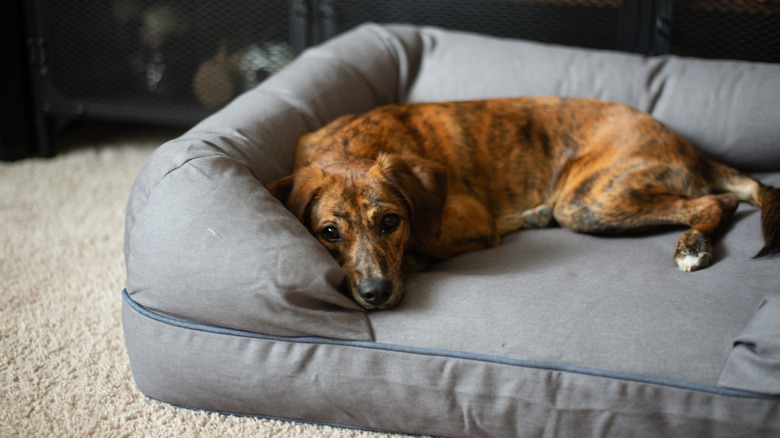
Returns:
<point x="390" y="222"/>
<point x="331" y="234"/>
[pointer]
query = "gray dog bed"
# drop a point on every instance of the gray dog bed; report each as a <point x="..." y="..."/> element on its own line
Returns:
<point x="232" y="306"/>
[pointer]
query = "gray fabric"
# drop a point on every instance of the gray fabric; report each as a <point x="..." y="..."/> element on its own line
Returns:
<point x="420" y="393"/>
<point x="211" y="245"/>
<point x="754" y="364"/>
<point x="206" y="243"/>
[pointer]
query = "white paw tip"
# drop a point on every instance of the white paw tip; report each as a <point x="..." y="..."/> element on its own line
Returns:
<point x="692" y="262"/>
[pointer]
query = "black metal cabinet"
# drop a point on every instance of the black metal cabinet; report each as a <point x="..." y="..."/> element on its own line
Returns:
<point x="16" y="137"/>
<point x="156" y="61"/>
<point x="176" y="61"/>
<point x="595" y="24"/>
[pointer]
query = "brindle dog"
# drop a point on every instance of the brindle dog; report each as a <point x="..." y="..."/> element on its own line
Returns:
<point x="389" y="189"/>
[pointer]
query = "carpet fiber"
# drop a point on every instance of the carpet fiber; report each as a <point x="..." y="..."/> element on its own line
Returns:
<point x="64" y="369"/>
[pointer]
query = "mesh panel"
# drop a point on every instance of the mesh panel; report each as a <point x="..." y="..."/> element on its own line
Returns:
<point x="584" y="23"/>
<point x="201" y="53"/>
<point x="733" y="29"/>
<point x="175" y="54"/>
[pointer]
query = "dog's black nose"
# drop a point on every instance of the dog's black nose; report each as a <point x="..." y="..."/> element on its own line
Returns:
<point x="375" y="291"/>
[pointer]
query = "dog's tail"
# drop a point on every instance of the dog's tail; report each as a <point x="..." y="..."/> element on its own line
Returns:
<point x="767" y="198"/>
<point x="770" y="219"/>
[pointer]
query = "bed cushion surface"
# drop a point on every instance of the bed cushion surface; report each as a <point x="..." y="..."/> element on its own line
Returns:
<point x="550" y="331"/>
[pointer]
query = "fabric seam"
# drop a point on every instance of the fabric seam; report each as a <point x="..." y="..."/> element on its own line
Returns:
<point x="546" y="366"/>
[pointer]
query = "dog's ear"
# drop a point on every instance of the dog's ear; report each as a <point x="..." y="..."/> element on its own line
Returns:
<point x="423" y="185"/>
<point x="281" y="188"/>
<point x="296" y="191"/>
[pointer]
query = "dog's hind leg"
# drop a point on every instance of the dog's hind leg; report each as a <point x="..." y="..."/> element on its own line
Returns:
<point x="640" y="209"/>
<point x="708" y="216"/>
<point x="765" y="197"/>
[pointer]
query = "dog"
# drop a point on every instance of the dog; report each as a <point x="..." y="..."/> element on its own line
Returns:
<point x="387" y="191"/>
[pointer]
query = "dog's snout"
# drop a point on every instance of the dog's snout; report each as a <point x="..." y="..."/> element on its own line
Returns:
<point x="375" y="291"/>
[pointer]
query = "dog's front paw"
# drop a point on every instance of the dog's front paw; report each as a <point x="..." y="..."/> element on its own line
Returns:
<point x="693" y="252"/>
<point x="537" y="217"/>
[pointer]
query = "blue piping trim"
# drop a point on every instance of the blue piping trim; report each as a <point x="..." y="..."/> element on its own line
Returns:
<point x="548" y="366"/>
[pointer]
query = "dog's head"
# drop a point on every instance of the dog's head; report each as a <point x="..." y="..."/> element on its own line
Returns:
<point x="367" y="213"/>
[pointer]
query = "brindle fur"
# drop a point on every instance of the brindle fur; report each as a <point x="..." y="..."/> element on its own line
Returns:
<point x="461" y="174"/>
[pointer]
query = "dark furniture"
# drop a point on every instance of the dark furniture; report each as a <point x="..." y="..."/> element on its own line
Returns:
<point x="176" y="61"/>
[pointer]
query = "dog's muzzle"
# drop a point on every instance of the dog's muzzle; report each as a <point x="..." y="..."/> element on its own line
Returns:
<point x="375" y="291"/>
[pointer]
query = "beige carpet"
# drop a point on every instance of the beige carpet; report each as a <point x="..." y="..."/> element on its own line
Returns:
<point x="64" y="370"/>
